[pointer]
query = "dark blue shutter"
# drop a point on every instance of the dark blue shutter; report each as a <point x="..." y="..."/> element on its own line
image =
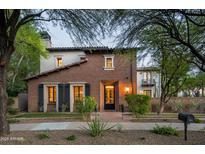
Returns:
<point x="40" y="98"/>
<point x="60" y="97"/>
<point x="87" y="89"/>
<point x="67" y="97"/>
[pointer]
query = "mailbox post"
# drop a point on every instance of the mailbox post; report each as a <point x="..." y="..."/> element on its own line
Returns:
<point x="122" y="110"/>
<point x="186" y="118"/>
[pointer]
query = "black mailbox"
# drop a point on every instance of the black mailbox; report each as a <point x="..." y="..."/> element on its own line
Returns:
<point x="186" y="118"/>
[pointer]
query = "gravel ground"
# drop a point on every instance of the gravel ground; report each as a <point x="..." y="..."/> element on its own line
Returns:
<point x="110" y="138"/>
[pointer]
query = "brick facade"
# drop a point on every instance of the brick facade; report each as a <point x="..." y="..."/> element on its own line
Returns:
<point x="91" y="72"/>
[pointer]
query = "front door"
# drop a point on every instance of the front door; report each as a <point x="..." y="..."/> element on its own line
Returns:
<point x="109" y="103"/>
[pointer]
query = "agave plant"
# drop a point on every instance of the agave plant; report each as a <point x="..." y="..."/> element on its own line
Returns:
<point x="97" y="127"/>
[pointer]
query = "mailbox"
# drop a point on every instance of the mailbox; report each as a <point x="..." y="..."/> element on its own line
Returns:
<point x="186" y="118"/>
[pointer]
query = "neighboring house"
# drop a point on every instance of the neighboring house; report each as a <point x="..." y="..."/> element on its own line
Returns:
<point x="148" y="81"/>
<point x="72" y="73"/>
<point x="197" y="92"/>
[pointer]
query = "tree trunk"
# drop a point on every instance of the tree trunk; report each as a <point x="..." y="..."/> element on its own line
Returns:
<point x="4" y="126"/>
<point x="162" y="104"/>
<point x="161" y="108"/>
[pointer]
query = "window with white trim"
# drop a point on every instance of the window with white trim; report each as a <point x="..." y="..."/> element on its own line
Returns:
<point x="109" y="62"/>
<point x="59" y="61"/>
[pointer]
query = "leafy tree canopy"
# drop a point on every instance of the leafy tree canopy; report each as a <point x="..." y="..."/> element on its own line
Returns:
<point x="26" y="60"/>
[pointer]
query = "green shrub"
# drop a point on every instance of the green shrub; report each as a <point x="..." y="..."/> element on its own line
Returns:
<point x="97" y="127"/>
<point x="86" y="106"/>
<point x="10" y="101"/>
<point x="71" y="138"/>
<point x="12" y="110"/>
<point x="197" y="120"/>
<point x="138" y="104"/>
<point x="165" y="130"/>
<point x="43" y="135"/>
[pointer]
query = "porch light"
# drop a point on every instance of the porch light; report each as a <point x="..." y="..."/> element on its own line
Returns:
<point x="127" y="89"/>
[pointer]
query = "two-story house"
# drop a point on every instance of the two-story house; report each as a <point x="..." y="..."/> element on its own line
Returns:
<point x="148" y="81"/>
<point x="70" y="73"/>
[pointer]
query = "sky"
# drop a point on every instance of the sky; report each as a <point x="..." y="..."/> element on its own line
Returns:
<point x="60" y="38"/>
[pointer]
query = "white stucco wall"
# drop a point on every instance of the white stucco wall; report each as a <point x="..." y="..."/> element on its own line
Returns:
<point x="155" y="76"/>
<point x="67" y="57"/>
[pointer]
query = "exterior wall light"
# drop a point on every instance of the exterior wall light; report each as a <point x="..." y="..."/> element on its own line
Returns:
<point x="127" y="90"/>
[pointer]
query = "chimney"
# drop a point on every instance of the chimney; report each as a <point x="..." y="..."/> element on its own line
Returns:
<point x="46" y="38"/>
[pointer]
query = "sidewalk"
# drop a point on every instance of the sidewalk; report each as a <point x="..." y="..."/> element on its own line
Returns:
<point x="79" y="125"/>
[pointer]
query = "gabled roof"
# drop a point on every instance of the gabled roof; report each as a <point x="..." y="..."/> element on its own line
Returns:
<point x="97" y="49"/>
<point x="56" y="70"/>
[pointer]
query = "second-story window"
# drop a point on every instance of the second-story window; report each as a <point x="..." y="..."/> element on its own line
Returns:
<point x="59" y="61"/>
<point x="109" y="62"/>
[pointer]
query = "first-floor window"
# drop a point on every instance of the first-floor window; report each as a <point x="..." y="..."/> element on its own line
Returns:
<point x="147" y="92"/>
<point x="52" y="94"/>
<point x="77" y="95"/>
<point x="78" y="92"/>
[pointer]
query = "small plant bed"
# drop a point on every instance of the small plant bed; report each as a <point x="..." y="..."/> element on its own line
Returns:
<point x="43" y="135"/>
<point x="165" y="130"/>
<point x="109" y="138"/>
<point x="97" y="127"/>
<point x="71" y="138"/>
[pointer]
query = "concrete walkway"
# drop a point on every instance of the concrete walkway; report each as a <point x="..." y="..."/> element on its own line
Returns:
<point x="79" y="125"/>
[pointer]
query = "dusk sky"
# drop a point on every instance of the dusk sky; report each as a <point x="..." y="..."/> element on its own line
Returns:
<point x="60" y="38"/>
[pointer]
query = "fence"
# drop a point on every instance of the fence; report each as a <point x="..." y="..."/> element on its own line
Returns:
<point x="181" y="104"/>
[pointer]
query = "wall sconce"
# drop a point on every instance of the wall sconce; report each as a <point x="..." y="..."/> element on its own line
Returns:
<point x="127" y="89"/>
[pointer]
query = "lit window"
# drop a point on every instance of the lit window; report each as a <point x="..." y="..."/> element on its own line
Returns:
<point x="59" y="61"/>
<point x="109" y="60"/>
<point x="78" y="92"/>
<point x="52" y="94"/>
<point x="147" y="92"/>
<point x="108" y="63"/>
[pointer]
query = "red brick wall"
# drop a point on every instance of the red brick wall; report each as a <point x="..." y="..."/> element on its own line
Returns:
<point x="91" y="72"/>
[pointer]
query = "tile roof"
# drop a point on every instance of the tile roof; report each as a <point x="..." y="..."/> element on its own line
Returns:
<point x="88" y="49"/>
<point x="56" y="70"/>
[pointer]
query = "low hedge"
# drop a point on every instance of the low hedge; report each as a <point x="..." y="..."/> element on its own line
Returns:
<point x="138" y="104"/>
